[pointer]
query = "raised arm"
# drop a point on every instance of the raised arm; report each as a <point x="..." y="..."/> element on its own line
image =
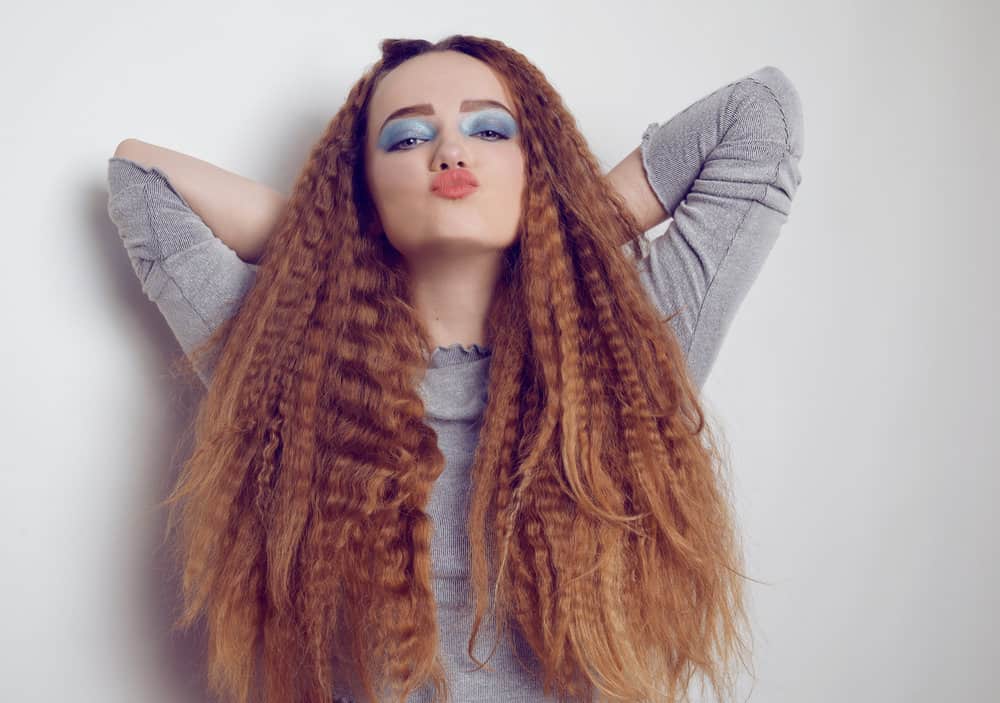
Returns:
<point x="725" y="169"/>
<point x="194" y="277"/>
<point x="239" y="211"/>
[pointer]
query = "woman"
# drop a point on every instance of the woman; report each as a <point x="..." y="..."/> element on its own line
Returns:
<point x="456" y="384"/>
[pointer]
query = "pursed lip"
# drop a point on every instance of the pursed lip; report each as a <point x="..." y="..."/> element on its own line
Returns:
<point x="454" y="183"/>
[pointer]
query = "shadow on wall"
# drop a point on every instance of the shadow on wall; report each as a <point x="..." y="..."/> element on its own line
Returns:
<point x="156" y="598"/>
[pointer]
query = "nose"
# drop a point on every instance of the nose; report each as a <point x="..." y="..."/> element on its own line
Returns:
<point x="445" y="164"/>
<point x="451" y="153"/>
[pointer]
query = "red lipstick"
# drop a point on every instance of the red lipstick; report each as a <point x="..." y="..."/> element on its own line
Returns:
<point x="454" y="183"/>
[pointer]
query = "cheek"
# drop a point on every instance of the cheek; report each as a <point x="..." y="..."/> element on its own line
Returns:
<point x="516" y="176"/>
<point x="392" y="180"/>
<point x="397" y="190"/>
<point x="509" y="171"/>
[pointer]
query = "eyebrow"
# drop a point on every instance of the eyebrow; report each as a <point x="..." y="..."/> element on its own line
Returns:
<point x="427" y="109"/>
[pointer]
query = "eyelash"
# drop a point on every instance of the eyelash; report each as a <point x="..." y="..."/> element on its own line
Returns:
<point x="396" y="147"/>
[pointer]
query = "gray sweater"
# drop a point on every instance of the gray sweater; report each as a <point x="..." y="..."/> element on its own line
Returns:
<point x="726" y="167"/>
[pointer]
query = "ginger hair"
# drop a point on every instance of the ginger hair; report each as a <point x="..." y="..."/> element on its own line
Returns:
<point x="600" y="522"/>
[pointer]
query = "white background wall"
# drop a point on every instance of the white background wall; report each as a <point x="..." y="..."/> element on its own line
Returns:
<point x="857" y="386"/>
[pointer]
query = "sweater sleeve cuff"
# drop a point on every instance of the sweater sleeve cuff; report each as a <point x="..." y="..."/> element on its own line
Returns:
<point x="673" y="152"/>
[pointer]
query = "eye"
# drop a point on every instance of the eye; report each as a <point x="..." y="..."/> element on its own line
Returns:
<point x="501" y="136"/>
<point x="397" y="147"/>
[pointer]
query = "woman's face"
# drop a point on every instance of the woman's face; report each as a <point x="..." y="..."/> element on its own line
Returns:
<point x="450" y="127"/>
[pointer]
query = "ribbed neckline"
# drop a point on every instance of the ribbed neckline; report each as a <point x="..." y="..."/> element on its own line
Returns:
<point x="472" y="348"/>
<point x="455" y="387"/>
<point x="457" y="353"/>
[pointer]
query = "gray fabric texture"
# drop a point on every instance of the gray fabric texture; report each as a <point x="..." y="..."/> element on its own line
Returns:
<point x="726" y="167"/>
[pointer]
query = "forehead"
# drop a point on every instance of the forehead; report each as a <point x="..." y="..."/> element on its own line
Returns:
<point x="443" y="79"/>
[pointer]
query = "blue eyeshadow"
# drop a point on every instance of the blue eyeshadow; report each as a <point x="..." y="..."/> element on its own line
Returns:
<point x="415" y="127"/>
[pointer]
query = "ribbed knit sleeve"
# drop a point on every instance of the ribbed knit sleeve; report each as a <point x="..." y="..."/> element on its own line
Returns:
<point x="192" y="276"/>
<point x="726" y="168"/>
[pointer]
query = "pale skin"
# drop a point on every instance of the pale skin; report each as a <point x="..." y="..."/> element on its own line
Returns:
<point x="452" y="248"/>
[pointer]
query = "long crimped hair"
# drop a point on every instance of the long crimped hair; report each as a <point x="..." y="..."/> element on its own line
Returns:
<point x="596" y="483"/>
